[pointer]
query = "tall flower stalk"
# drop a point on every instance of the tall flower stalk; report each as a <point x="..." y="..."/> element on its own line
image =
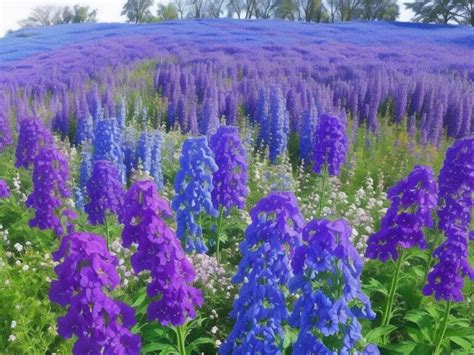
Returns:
<point x="87" y="271"/>
<point x="412" y="202"/>
<point x="193" y="186"/>
<point x="230" y="180"/>
<point x="264" y="271"/>
<point x="327" y="270"/>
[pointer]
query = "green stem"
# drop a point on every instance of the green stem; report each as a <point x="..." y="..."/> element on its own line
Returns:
<point x="181" y="344"/>
<point x="220" y="219"/>
<point x="443" y="328"/>
<point x="321" y="195"/>
<point x="392" y="291"/>
<point x="107" y="231"/>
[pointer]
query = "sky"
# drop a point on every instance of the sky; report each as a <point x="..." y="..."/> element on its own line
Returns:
<point x="12" y="11"/>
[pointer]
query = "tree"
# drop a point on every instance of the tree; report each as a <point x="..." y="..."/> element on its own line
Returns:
<point x="333" y="6"/>
<point x="380" y="10"/>
<point x="79" y="14"/>
<point x="197" y="8"/>
<point x="181" y="7"/>
<point x="286" y="9"/>
<point x="137" y="11"/>
<point x="54" y="15"/>
<point x="348" y="9"/>
<point x="214" y="8"/>
<point x="167" y="12"/>
<point x="264" y="8"/>
<point x="437" y="11"/>
<point x="465" y="11"/>
<point x="235" y="7"/>
<point x="311" y="11"/>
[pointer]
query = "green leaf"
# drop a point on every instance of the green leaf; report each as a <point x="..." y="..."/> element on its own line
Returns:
<point x="375" y="286"/>
<point x="379" y="332"/>
<point x="141" y="297"/>
<point x="194" y="345"/>
<point x="415" y="334"/>
<point x="165" y="348"/>
<point x="424" y="323"/>
<point x="463" y="343"/>
<point x="403" y="348"/>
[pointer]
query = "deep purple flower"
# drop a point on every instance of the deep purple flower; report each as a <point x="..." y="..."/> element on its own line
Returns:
<point x="4" y="190"/>
<point x="105" y="192"/>
<point x="33" y="136"/>
<point x="86" y="273"/>
<point x="159" y="251"/>
<point x="50" y="187"/>
<point x="5" y="129"/>
<point x="456" y="186"/>
<point x="230" y="179"/>
<point x="330" y="145"/>
<point x="413" y="199"/>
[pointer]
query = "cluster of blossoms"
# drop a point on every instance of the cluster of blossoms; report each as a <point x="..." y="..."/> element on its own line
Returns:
<point x="330" y="145"/>
<point x="327" y="272"/>
<point x="105" y="192"/>
<point x="309" y="122"/>
<point x="412" y="200"/>
<point x="264" y="270"/>
<point x="85" y="129"/>
<point x="5" y="130"/>
<point x="148" y="155"/>
<point x="101" y="324"/>
<point x="107" y="144"/>
<point x="159" y="251"/>
<point x="230" y="180"/>
<point x="4" y="190"/>
<point x="456" y="187"/>
<point x="193" y="186"/>
<point x="32" y="137"/>
<point x="210" y="274"/>
<point x="279" y="124"/>
<point x="50" y="180"/>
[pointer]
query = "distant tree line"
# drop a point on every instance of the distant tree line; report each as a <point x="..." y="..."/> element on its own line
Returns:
<point x="141" y="11"/>
<point x="47" y="15"/>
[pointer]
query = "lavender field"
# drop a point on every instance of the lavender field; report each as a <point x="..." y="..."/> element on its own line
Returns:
<point x="237" y="187"/>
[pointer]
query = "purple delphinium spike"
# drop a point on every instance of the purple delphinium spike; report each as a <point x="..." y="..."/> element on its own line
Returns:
<point x="330" y="145"/>
<point x="50" y="186"/>
<point x="230" y="180"/>
<point x="6" y="138"/>
<point x="279" y="125"/>
<point x="159" y="251"/>
<point x="105" y="193"/>
<point x="413" y="200"/>
<point x="456" y="186"/>
<point x="101" y="324"/>
<point x="324" y="314"/>
<point x="269" y="244"/>
<point x="32" y="137"/>
<point x="4" y="190"/>
<point x="308" y="127"/>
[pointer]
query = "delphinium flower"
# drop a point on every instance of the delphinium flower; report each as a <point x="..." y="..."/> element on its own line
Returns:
<point x="101" y="324"/>
<point x="6" y="138"/>
<point x="120" y="109"/>
<point x="50" y="187"/>
<point x="193" y="187"/>
<point x="143" y="152"/>
<point x="4" y="190"/>
<point x="107" y="144"/>
<point x="61" y="121"/>
<point x="159" y="252"/>
<point x="85" y="129"/>
<point x="456" y="186"/>
<point x="156" y="171"/>
<point x="32" y="137"/>
<point x="230" y="180"/>
<point x="330" y="145"/>
<point x="105" y="193"/>
<point x="308" y="127"/>
<point x="262" y="119"/>
<point x="327" y="272"/>
<point x="279" y="125"/>
<point x="412" y="201"/>
<point x="264" y="271"/>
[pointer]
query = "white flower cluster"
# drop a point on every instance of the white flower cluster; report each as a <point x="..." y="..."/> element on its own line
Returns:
<point x="124" y="269"/>
<point x="211" y="275"/>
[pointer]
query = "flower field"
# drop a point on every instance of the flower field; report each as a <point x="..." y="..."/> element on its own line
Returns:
<point x="237" y="187"/>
